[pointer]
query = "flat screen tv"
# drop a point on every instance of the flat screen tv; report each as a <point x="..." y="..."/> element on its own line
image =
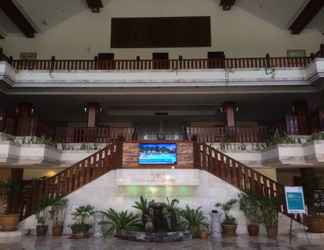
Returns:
<point x="157" y="153"/>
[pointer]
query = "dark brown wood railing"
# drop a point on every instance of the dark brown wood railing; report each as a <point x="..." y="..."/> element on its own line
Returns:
<point x="72" y="178"/>
<point x="172" y="64"/>
<point x="94" y="135"/>
<point x="226" y="134"/>
<point x="239" y="175"/>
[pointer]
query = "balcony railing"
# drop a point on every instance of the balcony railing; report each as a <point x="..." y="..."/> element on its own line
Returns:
<point x="223" y="134"/>
<point x="94" y="135"/>
<point x="172" y="64"/>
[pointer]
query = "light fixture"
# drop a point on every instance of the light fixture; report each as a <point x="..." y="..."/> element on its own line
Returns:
<point x="86" y="107"/>
<point x="224" y="106"/>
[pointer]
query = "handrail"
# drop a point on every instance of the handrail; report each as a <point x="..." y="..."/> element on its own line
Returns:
<point x="228" y="134"/>
<point x="93" y="134"/>
<point x="72" y="178"/>
<point x="150" y="64"/>
<point x="239" y="175"/>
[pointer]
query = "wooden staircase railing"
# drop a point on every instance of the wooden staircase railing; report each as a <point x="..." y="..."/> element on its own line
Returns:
<point x="72" y="178"/>
<point x="239" y="175"/>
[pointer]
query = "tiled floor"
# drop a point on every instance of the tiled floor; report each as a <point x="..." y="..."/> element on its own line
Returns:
<point x="239" y="243"/>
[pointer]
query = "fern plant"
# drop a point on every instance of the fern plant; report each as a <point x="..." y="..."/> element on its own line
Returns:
<point x="115" y="222"/>
<point x="194" y="220"/>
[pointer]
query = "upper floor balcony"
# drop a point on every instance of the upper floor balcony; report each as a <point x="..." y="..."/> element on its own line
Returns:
<point x="285" y="72"/>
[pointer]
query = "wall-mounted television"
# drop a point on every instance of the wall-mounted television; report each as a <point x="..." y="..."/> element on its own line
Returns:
<point x="157" y="153"/>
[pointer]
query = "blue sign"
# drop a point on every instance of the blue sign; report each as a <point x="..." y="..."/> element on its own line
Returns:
<point x="295" y="200"/>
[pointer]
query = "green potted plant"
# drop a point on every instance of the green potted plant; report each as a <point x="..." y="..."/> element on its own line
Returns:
<point x="9" y="211"/>
<point x="250" y="205"/>
<point x="229" y="223"/>
<point x="42" y="216"/>
<point x="57" y="215"/>
<point x="194" y="220"/>
<point x="116" y="223"/>
<point x="81" y="228"/>
<point x="143" y="206"/>
<point x="270" y="215"/>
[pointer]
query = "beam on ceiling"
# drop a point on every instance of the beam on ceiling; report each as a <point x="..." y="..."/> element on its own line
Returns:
<point x="17" y="17"/>
<point x="95" y="5"/>
<point x="227" y="4"/>
<point x="311" y="9"/>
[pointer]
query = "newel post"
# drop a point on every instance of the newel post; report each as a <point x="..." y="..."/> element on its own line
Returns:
<point x="321" y="54"/>
<point x="119" y="153"/>
<point x="196" y="154"/>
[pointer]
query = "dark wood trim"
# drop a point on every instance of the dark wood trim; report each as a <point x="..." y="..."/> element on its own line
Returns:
<point x="95" y="5"/>
<point x="18" y="18"/>
<point x="306" y="16"/>
<point x="227" y="4"/>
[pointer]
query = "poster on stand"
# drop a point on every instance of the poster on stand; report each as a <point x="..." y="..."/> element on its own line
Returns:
<point x="295" y="200"/>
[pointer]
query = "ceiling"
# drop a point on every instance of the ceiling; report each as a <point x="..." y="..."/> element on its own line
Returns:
<point x="45" y="14"/>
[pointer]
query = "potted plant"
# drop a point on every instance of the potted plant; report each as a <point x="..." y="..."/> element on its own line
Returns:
<point x="229" y="223"/>
<point x="42" y="215"/>
<point x="81" y="228"/>
<point x="194" y="220"/>
<point x="9" y="210"/>
<point x="270" y="215"/>
<point x="57" y="215"/>
<point x="250" y="205"/>
<point x="116" y="223"/>
<point x="204" y="233"/>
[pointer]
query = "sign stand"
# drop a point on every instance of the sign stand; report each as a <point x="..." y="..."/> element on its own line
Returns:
<point x="290" y="230"/>
<point x="295" y="203"/>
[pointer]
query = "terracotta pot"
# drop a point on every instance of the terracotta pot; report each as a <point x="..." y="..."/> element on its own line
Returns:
<point x="41" y="230"/>
<point x="229" y="230"/>
<point x="253" y="229"/>
<point x="9" y="222"/>
<point x="272" y="231"/>
<point x="315" y="224"/>
<point x="80" y="231"/>
<point x="57" y="230"/>
<point x="204" y="235"/>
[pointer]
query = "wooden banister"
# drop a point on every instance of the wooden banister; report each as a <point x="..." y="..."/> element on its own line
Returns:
<point x="150" y="64"/>
<point x="239" y="175"/>
<point x="72" y="178"/>
<point x="225" y="134"/>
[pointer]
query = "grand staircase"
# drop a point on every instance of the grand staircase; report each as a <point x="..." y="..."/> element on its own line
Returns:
<point x="109" y="158"/>
<point x="71" y="179"/>
<point x="239" y="175"/>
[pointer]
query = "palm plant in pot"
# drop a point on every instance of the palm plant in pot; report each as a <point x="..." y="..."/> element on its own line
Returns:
<point x="194" y="221"/>
<point x="9" y="199"/>
<point x="57" y="213"/>
<point x="116" y="223"/>
<point x="229" y="223"/>
<point x="143" y="206"/>
<point x="250" y="205"/>
<point x="81" y="227"/>
<point x="270" y="215"/>
<point x="42" y="216"/>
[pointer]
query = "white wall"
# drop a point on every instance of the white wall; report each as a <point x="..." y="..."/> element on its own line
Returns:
<point x="104" y="193"/>
<point x="238" y="33"/>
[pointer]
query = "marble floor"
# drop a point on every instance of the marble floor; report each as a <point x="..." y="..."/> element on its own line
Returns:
<point x="239" y="243"/>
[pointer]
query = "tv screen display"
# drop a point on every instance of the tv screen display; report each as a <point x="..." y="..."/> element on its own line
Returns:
<point x="158" y="153"/>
